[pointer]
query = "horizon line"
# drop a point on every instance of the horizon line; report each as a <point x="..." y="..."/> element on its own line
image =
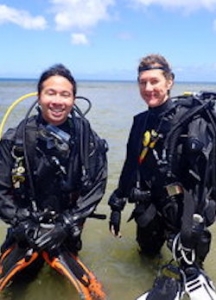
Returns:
<point x="102" y="80"/>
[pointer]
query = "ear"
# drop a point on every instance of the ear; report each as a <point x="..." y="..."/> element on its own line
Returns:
<point x="169" y="83"/>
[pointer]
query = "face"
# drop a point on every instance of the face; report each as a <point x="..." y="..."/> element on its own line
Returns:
<point x="56" y="99"/>
<point x="154" y="87"/>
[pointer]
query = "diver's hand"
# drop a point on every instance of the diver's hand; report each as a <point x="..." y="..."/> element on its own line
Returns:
<point x="26" y="232"/>
<point x="72" y="223"/>
<point x="51" y="238"/>
<point x="114" y="224"/>
<point x="117" y="204"/>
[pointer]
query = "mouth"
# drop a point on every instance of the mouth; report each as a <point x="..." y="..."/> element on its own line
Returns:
<point x="57" y="109"/>
<point x="149" y="97"/>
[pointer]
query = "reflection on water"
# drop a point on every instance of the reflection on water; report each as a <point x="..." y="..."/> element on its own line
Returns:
<point x="116" y="262"/>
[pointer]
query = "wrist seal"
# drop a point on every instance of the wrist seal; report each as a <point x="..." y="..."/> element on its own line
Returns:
<point x="116" y="203"/>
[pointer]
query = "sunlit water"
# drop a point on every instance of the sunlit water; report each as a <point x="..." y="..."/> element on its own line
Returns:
<point x="116" y="262"/>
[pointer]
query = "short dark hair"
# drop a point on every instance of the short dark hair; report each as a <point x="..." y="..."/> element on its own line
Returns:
<point x="156" y="61"/>
<point x="58" y="69"/>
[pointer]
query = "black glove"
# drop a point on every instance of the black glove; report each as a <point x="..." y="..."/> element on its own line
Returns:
<point x="71" y="224"/>
<point x="51" y="238"/>
<point x="26" y="232"/>
<point x="115" y="220"/>
<point x="116" y="202"/>
<point x="24" y="214"/>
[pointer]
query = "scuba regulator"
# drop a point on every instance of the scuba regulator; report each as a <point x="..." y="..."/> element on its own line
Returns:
<point x="55" y="139"/>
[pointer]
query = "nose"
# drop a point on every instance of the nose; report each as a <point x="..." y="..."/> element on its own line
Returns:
<point x="57" y="99"/>
<point x="148" y="86"/>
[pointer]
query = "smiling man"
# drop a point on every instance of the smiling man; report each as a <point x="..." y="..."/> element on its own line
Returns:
<point x="56" y="98"/>
<point x="53" y="173"/>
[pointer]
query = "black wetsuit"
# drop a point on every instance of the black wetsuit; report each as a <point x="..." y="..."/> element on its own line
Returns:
<point x="57" y="173"/>
<point x="160" y="215"/>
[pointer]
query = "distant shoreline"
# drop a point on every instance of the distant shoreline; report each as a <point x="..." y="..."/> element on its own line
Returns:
<point x="104" y="80"/>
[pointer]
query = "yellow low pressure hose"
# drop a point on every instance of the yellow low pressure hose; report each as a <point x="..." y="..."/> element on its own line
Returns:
<point x="11" y="107"/>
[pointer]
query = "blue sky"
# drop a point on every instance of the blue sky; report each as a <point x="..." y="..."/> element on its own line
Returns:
<point x="105" y="39"/>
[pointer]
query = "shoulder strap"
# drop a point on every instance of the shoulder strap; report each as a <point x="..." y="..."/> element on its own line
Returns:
<point x="94" y="166"/>
<point x="92" y="147"/>
<point x="25" y="142"/>
<point x="30" y="131"/>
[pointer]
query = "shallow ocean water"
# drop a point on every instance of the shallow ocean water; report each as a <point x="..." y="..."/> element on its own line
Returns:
<point x="116" y="262"/>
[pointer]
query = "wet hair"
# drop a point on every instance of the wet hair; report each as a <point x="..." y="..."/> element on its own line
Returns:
<point x="60" y="70"/>
<point x="155" y="61"/>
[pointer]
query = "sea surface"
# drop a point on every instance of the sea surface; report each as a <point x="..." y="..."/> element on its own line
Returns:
<point x="116" y="262"/>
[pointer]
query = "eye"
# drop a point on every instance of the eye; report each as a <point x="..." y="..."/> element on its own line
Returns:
<point x="50" y="92"/>
<point x="142" y="82"/>
<point x="66" y="94"/>
<point x="154" y="81"/>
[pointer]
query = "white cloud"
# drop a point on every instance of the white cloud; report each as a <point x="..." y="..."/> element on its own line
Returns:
<point x="81" y="14"/>
<point x="187" y="5"/>
<point x="79" y="39"/>
<point x="21" y="18"/>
